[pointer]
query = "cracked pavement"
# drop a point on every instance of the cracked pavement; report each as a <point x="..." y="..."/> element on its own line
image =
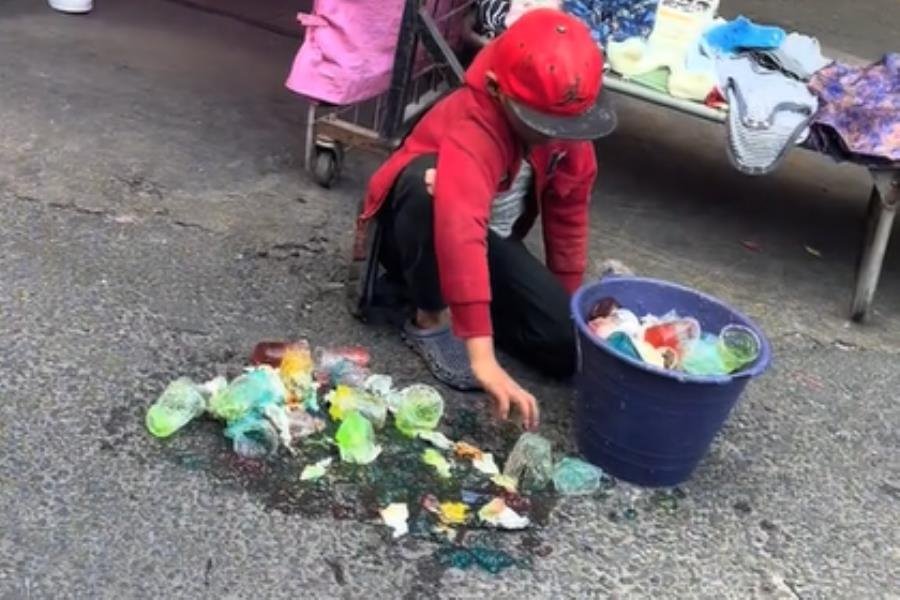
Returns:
<point x="156" y="223"/>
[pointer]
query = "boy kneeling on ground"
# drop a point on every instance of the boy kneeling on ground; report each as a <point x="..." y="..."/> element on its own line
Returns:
<point x="455" y="201"/>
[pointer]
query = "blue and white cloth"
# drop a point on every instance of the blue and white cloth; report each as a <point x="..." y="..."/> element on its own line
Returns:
<point x="615" y="20"/>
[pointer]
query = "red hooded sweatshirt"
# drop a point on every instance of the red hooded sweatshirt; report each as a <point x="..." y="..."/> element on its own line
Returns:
<point x="478" y="156"/>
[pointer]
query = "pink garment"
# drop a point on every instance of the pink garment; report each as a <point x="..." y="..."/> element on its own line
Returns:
<point x="348" y="52"/>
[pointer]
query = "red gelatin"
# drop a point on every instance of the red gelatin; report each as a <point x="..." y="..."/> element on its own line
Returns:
<point x="270" y="353"/>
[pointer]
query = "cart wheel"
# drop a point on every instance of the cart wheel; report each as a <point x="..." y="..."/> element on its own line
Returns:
<point x="325" y="169"/>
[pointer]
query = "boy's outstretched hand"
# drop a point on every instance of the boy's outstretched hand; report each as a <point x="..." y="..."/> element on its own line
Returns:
<point x="503" y="389"/>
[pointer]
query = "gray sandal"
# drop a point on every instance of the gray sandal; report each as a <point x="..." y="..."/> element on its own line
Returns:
<point x="444" y="354"/>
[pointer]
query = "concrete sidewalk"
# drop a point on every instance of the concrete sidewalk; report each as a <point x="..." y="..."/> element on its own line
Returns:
<point x="156" y="222"/>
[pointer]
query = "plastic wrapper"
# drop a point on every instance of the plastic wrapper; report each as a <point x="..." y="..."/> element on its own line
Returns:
<point x="531" y="458"/>
<point x="178" y="405"/>
<point x="356" y="440"/>
<point x="396" y="516"/>
<point x="621" y="319"/>
<point x="380" y="385"/>
<point x="574" y="477"/>
<point x="302" y="424"/>
<point x="347" y="366"/>
<point x="485" y="464"/>
<point x="278" y="416"/>
<point x="702" y="357"/>
<point x="676" y="334"/>
<point x="622" y="343"/>
<point x="253" y="437"/>
<point x="344" y="399"/>
<point x="251" y="391"/>
<point x="316" y="470"/>
<point x="436" y="439"/>
<point x="507" y="483"/>
<point x="420" y="409"/>
<point x="498" y="514"/>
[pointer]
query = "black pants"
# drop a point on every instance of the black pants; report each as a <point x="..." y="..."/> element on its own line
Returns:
<point x="529" y="308"/>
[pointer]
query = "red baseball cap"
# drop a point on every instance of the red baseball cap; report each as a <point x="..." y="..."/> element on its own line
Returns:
<point x="551" y="70"/>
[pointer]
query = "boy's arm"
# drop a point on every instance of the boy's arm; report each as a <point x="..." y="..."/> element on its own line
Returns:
<point x="464" y="188"/>
<point x="465" y="182"/>
<point x="565" y="214"/>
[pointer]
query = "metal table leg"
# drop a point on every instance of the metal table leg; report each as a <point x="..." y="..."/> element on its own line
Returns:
<point x="882" y="210"/>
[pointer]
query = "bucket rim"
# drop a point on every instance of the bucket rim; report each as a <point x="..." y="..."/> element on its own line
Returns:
<point x="758" y="367"/>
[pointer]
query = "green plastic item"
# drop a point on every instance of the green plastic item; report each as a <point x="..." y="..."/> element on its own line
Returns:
<point x="251" y="391"/>
<point x="702" y="357"/>
<point x="419" y="408"/>
<point x="738" y="347"/>
<point x="344" y="399"/>
<point x="433" y="458"/>
<point x="356" y="439"/>
<point x="179" y="403"/>
<point x="575" y="477"/>
<point x="373" y="408"/>
<point x="531" y="461"/>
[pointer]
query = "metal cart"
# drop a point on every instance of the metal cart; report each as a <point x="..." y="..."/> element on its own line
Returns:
<point x="425" y="64"/>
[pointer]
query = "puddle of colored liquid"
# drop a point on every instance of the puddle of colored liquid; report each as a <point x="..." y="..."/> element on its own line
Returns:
<point x="356" y="492"/>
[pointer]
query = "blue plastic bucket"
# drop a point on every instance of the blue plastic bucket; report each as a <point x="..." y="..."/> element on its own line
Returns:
<point x="640" y="423"/>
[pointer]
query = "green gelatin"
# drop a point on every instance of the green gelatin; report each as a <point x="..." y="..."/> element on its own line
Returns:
<point x="738" y="347"/>
<point x="420" y="408"/>
<point x="178" y="405"/>
<point x="702" y="357"/>
<point x="356" y="439"/>
<point x="253" y="390"/>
